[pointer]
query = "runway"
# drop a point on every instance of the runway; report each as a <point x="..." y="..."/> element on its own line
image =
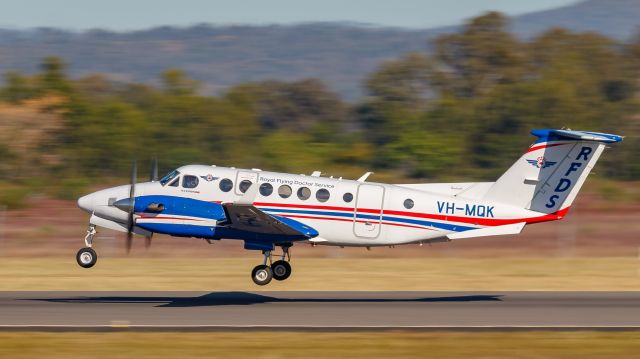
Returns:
<point x="318" y="310"/>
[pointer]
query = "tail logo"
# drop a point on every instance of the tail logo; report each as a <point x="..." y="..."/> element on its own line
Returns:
<point x="541" y="162"/>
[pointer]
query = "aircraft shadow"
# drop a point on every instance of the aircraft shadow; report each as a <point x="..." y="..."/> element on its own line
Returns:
<point x="247" y="298"/>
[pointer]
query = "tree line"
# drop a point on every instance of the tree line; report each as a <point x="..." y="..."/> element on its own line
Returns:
<point x="461" y="112"/>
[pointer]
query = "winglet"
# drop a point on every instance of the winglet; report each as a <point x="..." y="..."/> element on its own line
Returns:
<point x="365" y="176"/>
<point x="249" y="196"/>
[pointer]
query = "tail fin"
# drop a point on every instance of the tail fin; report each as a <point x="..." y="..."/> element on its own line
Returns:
<point x="549" y="175"/>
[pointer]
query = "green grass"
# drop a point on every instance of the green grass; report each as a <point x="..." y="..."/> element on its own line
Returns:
<point x="584" y="345"/>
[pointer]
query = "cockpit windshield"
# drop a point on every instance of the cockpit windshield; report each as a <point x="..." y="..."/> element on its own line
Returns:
<point x="169" y="176"/>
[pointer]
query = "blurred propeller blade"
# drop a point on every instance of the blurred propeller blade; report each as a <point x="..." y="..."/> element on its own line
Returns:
<point x="134" y="177"/>
<point x="132" y="201"/>
<point x="153" y="176"/>
<point x="129" y="241"/>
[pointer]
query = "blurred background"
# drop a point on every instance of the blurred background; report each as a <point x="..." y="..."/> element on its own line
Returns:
<point x="417" y="91"/>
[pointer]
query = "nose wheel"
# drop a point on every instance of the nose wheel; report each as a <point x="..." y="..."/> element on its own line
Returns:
<point x="87" y="257"/>
<point x="278" y="270"/>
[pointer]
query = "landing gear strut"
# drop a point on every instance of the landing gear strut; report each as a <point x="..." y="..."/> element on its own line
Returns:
<point x="87" y="257"/>
<point x="278" y="270"/>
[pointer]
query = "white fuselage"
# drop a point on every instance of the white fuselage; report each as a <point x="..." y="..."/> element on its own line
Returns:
<point x="376" y="214"/>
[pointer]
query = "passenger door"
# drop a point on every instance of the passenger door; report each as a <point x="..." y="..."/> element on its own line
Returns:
<point x="367" y="217"/>
<point x="245" y="176"/>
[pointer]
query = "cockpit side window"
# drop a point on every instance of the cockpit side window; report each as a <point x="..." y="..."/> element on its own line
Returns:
<point x="169" y="176"/>
<point x="189" y="181"/>
<point x="175" y="183"/>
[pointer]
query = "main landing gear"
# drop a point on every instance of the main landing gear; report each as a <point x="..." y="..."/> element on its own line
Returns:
<point x="278" y="270"/>
<point x="87" y="257"/>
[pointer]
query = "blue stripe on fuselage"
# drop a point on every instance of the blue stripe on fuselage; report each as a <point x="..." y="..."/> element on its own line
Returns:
<point x="445" y="226"/>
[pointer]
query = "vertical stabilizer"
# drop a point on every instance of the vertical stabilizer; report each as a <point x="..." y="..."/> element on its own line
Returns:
<point x="549" y="175"/>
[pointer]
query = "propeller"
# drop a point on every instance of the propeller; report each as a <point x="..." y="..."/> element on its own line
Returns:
<point x="128" y="204"/>
<point x="132" y="200"/>
<point x="153" y="175"/>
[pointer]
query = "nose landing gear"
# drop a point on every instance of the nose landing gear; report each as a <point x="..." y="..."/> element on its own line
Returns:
<point x="87" y="257"/>
<point x="278" y="270"/>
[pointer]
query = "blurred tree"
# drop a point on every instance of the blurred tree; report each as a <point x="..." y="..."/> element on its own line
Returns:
<point x="52" y="76"/>
<point x="597" y="66"/>
<point x="176" y="83"/>
<point x="17" y="88"/>
<point x="305" y="106"/>
<point x="97" y="87"/>
<point x="406" y="81"/>
<point x="481" y="56"/>
<point x="105" y="138"/>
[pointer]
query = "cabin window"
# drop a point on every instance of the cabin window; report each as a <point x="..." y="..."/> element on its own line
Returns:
<point x="408" y="203"/>
<point x="244" y="185"/>
<point x="226" y="185"/>
<point x="168" y="177"/>
<point x="285" y="191"/>
<point x="189" y="181"/>
<point x="266" y="189"/>
<point x="304" y="193"/>
<point x="174" y="183"/>
<point x="323" y="195"/>
<point x="347" y="197"/>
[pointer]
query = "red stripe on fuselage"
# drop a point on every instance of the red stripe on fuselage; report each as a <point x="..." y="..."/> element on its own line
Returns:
<point x="469" y="220"/>
<point x="546" y="145"/>
<point x="168" y="217"/>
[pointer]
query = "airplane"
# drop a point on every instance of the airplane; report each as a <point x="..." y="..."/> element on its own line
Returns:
<point x="268" y="209"/>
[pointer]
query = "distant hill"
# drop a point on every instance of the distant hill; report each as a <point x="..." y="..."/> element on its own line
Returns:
<point x="619" y="19"/>
<point x="220" y="56"/>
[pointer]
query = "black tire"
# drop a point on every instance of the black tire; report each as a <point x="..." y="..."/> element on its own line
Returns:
<point x="86" y="257"/>
<point x="281" y="270"/>
<point x="262" y="274"/>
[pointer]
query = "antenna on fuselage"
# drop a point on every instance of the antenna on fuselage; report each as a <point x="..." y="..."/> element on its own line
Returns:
<point x="365" y="176"/>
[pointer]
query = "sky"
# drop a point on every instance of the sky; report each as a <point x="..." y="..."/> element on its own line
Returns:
<point x="122" y="15"/>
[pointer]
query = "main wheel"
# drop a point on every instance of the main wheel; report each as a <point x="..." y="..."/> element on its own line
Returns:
<point x="86" y="257"/>
<point x="262" y="274"/>
<point x="281" y="270"/>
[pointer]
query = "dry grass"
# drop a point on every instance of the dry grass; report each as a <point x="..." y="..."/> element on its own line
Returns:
<point x="584" y="345"/>
<point x="476" y="274"/>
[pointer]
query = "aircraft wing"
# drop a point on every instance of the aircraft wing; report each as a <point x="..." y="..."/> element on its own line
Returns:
<point x="246" y="217"/>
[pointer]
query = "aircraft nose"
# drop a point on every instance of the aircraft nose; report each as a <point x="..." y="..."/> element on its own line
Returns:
<point x="86" y="203"/>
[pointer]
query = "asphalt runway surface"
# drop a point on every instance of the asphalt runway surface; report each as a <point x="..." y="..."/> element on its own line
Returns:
<point x="317" y="310"/>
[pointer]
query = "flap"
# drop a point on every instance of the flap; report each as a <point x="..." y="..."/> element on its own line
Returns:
<point x="246" y="217"/>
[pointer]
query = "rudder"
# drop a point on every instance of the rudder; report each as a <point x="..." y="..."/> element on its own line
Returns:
<point x="549" y="175"/>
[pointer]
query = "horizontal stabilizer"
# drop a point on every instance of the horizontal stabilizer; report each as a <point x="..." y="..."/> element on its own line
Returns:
<point x="489" y="231"/>
<point x="553" y="135"/>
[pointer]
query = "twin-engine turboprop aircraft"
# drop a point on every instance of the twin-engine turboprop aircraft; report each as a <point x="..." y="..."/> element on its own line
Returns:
<point x="268" y="209"/>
